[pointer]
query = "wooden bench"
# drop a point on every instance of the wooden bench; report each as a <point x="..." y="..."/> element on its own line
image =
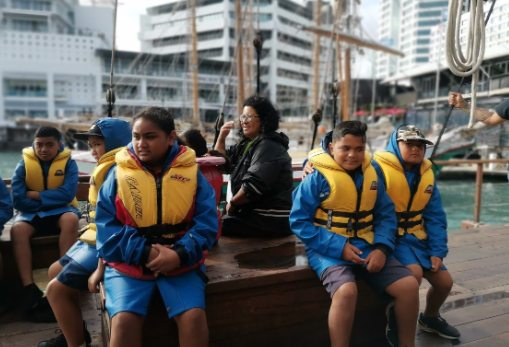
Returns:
<point x="45" y="250"/>
<point x="262" y="292"/>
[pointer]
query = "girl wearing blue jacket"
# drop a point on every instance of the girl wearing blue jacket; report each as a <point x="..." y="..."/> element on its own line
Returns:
<point x="156" y="219"/>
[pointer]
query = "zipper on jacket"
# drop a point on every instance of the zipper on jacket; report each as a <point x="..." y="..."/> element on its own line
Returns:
<point x="159" y="201"/>
<point x="416" y="182"/>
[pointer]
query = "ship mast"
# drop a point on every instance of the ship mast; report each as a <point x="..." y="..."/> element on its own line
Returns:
<point x="194" y="65"/>
<point x="240" y="60"/>
<point x="316" y="57"/>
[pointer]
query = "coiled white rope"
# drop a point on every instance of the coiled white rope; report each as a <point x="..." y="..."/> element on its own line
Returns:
<point x="459" y="64"/>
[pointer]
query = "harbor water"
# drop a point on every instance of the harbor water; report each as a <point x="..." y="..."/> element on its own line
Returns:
<point x="457" y="196"/>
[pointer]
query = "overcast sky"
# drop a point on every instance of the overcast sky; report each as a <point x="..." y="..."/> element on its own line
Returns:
<point x="128" y="26"/>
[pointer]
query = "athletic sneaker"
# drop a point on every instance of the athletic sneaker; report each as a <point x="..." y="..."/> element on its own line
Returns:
<point x="439" y="326"/>
<point x="60" y="341"/>
<point x="391" y="330"/>
<point x="41" y="313"/>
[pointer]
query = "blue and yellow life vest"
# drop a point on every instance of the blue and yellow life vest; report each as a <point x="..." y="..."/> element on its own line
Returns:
<point x="347" y="211"/>
<point x="409" y="207"/>
<point x="34" y="177"/>
<point x="96" y="181"/>
<point x="160" y="209"/>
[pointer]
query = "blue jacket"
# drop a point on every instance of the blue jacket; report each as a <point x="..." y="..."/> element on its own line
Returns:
<point x="28" y="208"/>
<point x="121" y="243"/>
<point x="324" y="248"/>
<point x="117" y="133"/>
<point x="5" y="205"/>
<point x="435" y="220"/>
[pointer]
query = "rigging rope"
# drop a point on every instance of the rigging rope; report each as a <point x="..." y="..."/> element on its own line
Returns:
<point x="459" y="90"/>
<point x="459" y="64"/>
<point x="110" y="95"/>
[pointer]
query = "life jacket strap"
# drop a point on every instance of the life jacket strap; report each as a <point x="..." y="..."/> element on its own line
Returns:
<point x="164" y="234"/>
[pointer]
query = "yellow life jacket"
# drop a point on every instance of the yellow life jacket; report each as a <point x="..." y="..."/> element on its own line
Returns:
<point x="346" y="211"/>
<point x="409" y="207"/>
<point x="34" y="177"/>
<point x="160" y="209"/>
<point x="89" y="233"/>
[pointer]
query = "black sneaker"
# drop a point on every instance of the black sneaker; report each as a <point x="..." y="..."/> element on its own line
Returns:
<point x="439" y="326"/>
<point x="31" y="296"/>
<point x="391" y="330"/>
<point x="60" y="341"/>
<point x="41" y="313"/>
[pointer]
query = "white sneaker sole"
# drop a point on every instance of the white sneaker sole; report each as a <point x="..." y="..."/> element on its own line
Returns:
<point x="430" y="330"/>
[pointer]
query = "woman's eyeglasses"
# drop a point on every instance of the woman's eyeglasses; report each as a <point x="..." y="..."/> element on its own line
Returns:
<point x="246" y="119"/>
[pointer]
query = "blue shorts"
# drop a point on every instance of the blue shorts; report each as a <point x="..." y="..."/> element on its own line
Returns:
<point x="73" y="274"/>
<point x="408" y="254"/>
<point x="180" y="293"/>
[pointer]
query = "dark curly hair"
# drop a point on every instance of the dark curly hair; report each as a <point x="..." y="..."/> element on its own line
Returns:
<point x="269" y="116"/>
<point x="194" y="139"/>
<point x="349" y="127"/>
<point x="45" y="131"/>
<point x="158" y="115"/>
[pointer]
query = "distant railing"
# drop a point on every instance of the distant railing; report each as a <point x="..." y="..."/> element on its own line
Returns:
<point x="478" y="178"/>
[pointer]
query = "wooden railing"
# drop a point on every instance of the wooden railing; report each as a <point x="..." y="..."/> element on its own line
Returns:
<point x="478" y="178"/>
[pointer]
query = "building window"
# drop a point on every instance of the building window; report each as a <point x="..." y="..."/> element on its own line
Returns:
<point x="434" y="4"/>
<point x="32" y="5"/>
<point x="292" y="75"/>
<point x="29" y="25"/>
<point x="423" y="32"/>
<point x="25" y="88"/>
<point x="422" y="60"/>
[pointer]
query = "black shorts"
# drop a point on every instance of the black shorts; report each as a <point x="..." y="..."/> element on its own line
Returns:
<point x="47" y="226"/>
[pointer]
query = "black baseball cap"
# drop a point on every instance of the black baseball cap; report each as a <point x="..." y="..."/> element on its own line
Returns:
<point x="93" y="131"/>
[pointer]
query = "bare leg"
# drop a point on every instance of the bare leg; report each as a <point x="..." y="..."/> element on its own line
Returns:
<point x="193" y="328"/>
<point x="68" y="224"/>
<point x="21" y="233"/>
<point x="126" y="329"/>
<point x="54" y="270"/>
<point x="416" y="271"/>
<point x="441" y="284"/>
<point x="65" y="303"/>
<point x="341" y="314"/>
<point x="406" y="307"/>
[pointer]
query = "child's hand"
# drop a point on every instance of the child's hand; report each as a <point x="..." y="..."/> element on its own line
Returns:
<point x="436" y="264"/>
<point x="350" y="254"/>
<point x="308" y="168"/>
<point x="94" y="279"/>
<point x="375" y="260"/>
<point x="166" y="261"/>
<point x="152" y="255"/>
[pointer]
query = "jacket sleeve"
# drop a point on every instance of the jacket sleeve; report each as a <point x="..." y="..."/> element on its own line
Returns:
<point x="5" y="205"/>
<point x="306" y="199"/>
<point x="204" y="225"/>
<point x="266" y="164"/>
<point x="66" y="192"/>
<point x="19" y="190"/>
<point x="116" y="242"/>
<point x="435" y="223"/>
<point x="385" y="223"/>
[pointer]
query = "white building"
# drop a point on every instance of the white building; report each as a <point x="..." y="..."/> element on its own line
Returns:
<point x="286" y="64"/>
<point x="406" y="25"/>
<point x="48" y="62"/>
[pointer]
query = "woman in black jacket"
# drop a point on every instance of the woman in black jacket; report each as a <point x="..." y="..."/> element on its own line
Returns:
<point x="261" y="177"/>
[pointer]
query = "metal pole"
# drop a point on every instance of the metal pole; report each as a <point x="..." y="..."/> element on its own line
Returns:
<point x="317" y="118"/>
<point x="110" y="95"/>
<point x="437" y="82"/>
<point x="478" y="193"/>
<point x="258" y="43"/>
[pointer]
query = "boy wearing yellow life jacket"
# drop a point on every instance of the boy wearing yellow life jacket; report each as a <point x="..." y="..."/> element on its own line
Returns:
<point x="422" y="225"/>
<point x="79" y="269"/>
<point x="346" y="220"/>
<point x="43" y="188"/>
<point x="157" y="219"/>
<point x="5" y="215"/>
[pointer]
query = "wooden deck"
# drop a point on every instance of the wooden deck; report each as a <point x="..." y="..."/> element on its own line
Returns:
<point x="478" y="305"/>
